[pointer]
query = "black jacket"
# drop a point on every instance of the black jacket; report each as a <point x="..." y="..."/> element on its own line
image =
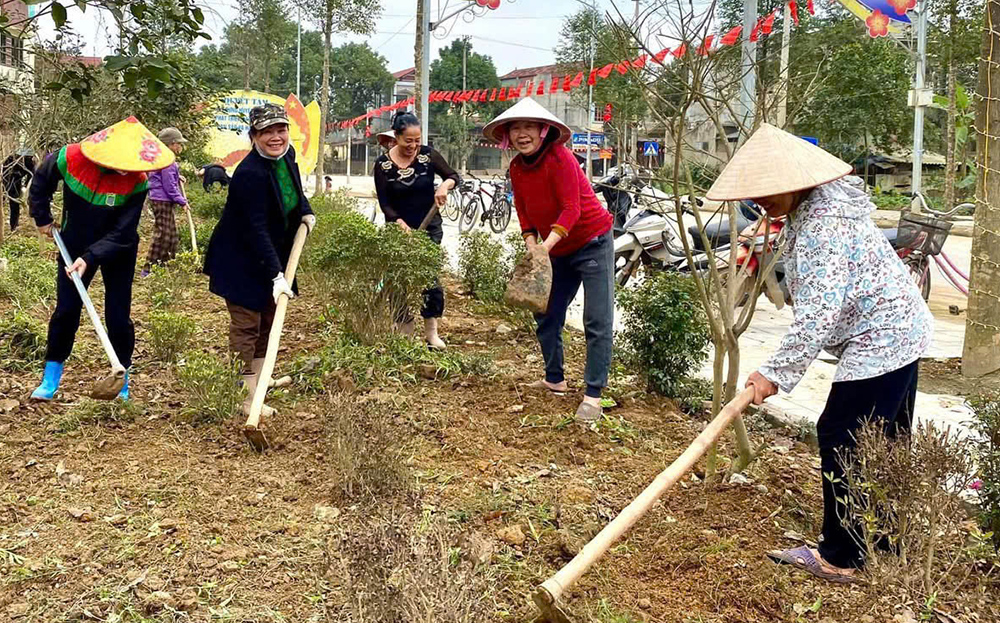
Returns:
<point x="214" y="174"/>
<point x="253" y="239"/>
<point x="92" y="229"/>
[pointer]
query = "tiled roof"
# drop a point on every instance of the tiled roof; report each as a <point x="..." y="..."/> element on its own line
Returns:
<point x="405" y="75"/>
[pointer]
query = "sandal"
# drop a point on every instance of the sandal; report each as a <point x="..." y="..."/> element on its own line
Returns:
<point x="542" y="385"/>
<point x="587" y="413"/>
<point x="803" y="558"/>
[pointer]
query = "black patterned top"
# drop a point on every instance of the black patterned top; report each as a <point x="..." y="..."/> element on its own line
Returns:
<point x="408" y="193"/>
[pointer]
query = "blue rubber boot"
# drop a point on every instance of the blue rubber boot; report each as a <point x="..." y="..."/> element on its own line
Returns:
<point x="50" y="381"/>
<point x="123" y="394"/>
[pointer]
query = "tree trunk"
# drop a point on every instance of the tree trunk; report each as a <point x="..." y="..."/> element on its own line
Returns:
<point x="267" y="74"/>
<point x="324" y="96"/>
<point x="418" y="63"/>
<point x="981" y="354"/>
<point x="949" y="173"/>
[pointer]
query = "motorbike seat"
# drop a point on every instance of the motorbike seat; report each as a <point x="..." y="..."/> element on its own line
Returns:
<point x="892" y="235"/>
<point x="717" y="231"/>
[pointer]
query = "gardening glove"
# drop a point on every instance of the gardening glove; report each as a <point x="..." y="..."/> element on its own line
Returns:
<point x="310" y="221"/>
<point x="281" y="287"/>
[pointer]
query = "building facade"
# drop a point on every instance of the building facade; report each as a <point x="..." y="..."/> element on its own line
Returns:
<point x="16" y="57"/>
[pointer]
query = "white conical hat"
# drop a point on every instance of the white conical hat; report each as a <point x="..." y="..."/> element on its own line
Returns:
<point x="525" y="110"/>
<point x="772" y="162"/>
<point x="385" y="138"/>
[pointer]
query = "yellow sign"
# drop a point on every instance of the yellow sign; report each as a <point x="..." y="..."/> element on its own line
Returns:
<point x="229" y="141"/>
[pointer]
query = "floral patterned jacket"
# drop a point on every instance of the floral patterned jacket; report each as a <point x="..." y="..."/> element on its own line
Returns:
<point x="852" y="295"/>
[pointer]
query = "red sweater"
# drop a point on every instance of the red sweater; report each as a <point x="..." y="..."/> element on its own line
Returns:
<point x="552" y="194"/>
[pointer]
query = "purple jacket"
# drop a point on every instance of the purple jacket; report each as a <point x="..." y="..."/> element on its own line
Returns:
<point x="165" y="185"/>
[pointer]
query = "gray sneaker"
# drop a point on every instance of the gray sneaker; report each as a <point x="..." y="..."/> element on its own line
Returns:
<point x="587" y="413"/>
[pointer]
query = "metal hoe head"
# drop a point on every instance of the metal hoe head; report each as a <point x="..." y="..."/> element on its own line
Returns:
<point x="108" y="387"/>
<point x="550" y="609"/>
<point x="255" y="436"/>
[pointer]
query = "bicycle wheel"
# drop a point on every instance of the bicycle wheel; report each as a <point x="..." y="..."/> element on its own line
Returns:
<point x="920" y="272"/>
<point x="453" y="209"/>
<point x="468" y="220"/>
<point x="500" y="216"/>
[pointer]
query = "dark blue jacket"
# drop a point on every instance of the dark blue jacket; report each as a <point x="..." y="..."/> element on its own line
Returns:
<point x="253" y="239"/>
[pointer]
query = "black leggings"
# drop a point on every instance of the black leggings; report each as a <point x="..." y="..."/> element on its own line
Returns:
<point x="889" y="399"/>
<point x="118" y="274"/>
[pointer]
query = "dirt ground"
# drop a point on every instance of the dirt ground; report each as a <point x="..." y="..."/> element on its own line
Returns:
<point x="158" y="519"/>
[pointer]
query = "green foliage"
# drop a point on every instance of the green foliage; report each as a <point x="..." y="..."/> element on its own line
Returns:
<point x="101" y="412"/>
<point x="211" y="385"/>
<point x="168" y="282"/>
<point x="481" y="266"/>
<point x="666" y="334"/>
<point x="29" y="278"/>
<point x="22" y="341"/>
<point x="206" y="205"/>
<point x="203" y="233"/>
<point x="359" y="78"/>
<point x="169" y="335"/>
<point x="986" y="408"/>
<point x="373" y="275"/>
<point x="339" y="200"/>
<point x="393" y="360"/>
<point x="691" y="393"/>
<point x="446" y="75"/>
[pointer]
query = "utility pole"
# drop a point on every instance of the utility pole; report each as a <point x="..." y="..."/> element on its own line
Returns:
<point x="918" y="99"/>
<point x="590" y="91"/>
<point x="350" y="137"/>
<point x="465" y="54"/>
<point x="422" y="56"/>
<point x="786" y="33"/>
<point x="748" y="90"/>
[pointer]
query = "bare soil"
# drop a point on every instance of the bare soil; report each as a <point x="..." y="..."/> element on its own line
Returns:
<point x="160" y="520"/>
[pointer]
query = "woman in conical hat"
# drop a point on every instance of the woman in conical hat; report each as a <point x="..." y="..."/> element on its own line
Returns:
<point x="852" y="296"/>
<point x="558" y="210"/>
<point x="387" y="139"/>
<point x="104" y="187"/>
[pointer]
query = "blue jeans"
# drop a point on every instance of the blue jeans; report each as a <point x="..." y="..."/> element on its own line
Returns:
<point x="593" y="266"/>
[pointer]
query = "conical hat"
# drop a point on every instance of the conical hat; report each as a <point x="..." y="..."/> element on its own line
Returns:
<point x="127" y="146"/>
<point x="385" y="138"/>
<point x="772" y="162"/>
<point x="525" y="110"/>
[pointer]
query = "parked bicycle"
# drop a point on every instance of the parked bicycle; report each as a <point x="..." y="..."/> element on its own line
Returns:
<point x="497" y="210"/>
<point x="919" y="242"/>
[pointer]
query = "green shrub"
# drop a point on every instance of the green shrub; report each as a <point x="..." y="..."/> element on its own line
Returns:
<point x="986" y="408"/>
<point x="22" y="341"/>
<point x="166" y="282"/>
<point x="666" y="336"/>
<point x="206" y="205"/>
<point x="27" y="278"/>
<point x="691" y="393"/>
<point x="212" y="385"/>
<point x="338" y="201"/>
<point x="202" y="230"/>
<point x="169" y="334"/>
<point x="88" y="411"/>
<point x="481" y="266"/>
<point x="21" y="246"/>
<point x="372" y="274"/>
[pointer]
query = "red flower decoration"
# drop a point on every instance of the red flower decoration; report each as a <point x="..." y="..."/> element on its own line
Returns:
<point x="878" y="24"/>
<point x="902" y="6"/>
<point x="100" y="137"/>
<point x="489" y="4"/>
<point x="150" y="151"/>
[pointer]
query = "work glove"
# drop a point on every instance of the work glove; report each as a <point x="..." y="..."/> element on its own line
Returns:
<point x="280" y="287"/>
<point x="310" y="221"/>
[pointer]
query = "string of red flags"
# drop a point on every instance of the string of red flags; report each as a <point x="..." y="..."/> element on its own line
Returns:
<point x="570" y="81"/>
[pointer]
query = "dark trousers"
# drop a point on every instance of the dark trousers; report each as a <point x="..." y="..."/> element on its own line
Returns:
<point x="433" y="306"/>
<point x="887" y="399"/>
<point x="163" y="247"/>
<point x="13" y="192"/>
<point x="249" y="331"/>
<point x="593" y="266"/>
<point x="117" y="274"/>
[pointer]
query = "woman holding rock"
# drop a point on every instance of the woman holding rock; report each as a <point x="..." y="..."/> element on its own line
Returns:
<point x="404" y="182"/>
<point x="558" y="211"/>
<point x="248" y="251"/>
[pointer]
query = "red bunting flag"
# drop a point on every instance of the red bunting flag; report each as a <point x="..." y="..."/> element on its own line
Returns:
<point x="662" y="54"/>
<point x="681" y="51"/>
<point x="448" y="96"/>
<point x="485" y="94"/>
<point x="706" y="45"/>
<point x="514" y="92"/>
<point x="368" y="130"/>
<point x="541" y="88"/>
<point x="555" y="84"/>
<point x="528" y="91"/>
<point x="732" y="37"/>
<point x="493" y="96"/>
<point x="810" y="7"/>
<point x="622" y="67"/>
<point x="793" y="8"/>
<point x="755" y="33"/>
<point x="576" y="81"/>
<point x="503" y="94"/>
<point x="566" y="84"/>
<point x="640" y="62"/>
<point x="768" y="24"/>
<point x="592" y="78"/>
<point x="605" y="71"/>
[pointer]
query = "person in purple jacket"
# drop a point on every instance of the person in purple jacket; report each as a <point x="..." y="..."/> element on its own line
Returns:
<point x="165" y="192"/>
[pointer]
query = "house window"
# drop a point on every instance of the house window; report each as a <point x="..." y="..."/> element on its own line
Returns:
<point x="11" y="51"/>
<point x="598" y="115"/>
